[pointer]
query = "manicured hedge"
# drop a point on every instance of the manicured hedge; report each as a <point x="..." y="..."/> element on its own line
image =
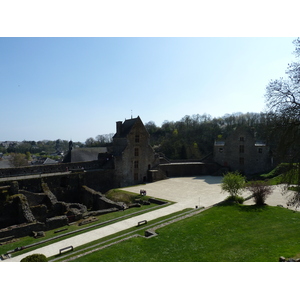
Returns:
<point x="35" y="258"/>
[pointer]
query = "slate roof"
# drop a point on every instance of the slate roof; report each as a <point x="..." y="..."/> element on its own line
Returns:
<point x="50" y="161"/>
<point x="126" y="127"/>
<point x="84" y="154"/>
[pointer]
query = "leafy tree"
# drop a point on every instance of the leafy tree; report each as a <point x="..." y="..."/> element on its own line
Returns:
<point x="233" y="183"/>
<point x="260" y="190"/>
<point x="90" y="142"/>
<point x="28" y="156"/>
<point x="18" y="160"/>
<point x="104" y="139"/>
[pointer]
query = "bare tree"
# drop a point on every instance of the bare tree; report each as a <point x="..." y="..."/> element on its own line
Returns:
<point x="283" y="103"/>
<point x="260" y="190"/>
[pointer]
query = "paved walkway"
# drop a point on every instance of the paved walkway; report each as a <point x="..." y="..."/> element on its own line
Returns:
<point x="187" y="192"/>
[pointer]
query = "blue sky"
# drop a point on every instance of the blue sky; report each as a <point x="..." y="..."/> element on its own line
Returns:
<point x="76" y="88"/>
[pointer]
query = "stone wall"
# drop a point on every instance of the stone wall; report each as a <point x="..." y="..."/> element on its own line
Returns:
<point x="56" y="222"/>
<point x="22" y="230"/>
<point x="188" y="169"/>
<point x="97" y="201"/>
<point x="54" y="196"/>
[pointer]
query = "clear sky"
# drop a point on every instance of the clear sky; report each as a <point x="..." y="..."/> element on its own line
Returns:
<point x="76" y="88"/>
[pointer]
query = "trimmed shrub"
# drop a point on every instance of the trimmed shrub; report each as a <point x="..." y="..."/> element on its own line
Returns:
<point x="35" y="258"/>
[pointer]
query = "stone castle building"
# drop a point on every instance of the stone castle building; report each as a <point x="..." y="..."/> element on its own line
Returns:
<point x="130" y="156"/>
<point x="133" y="155"/>
<point x="241" y="152"/>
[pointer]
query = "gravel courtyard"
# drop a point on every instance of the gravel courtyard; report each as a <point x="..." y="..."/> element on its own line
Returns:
<point x="199" y="191"/>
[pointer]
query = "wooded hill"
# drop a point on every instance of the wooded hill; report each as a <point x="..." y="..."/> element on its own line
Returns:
<point x="193" y="136"/>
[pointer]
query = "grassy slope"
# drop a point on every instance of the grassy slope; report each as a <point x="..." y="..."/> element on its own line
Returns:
<point x="223" y="233"/>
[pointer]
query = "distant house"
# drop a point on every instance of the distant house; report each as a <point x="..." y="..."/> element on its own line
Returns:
<point x="84" y="154"/>
<point x="242" y="152"/>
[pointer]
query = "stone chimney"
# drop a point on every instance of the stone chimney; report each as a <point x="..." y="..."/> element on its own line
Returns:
<point x="119" y="128"/>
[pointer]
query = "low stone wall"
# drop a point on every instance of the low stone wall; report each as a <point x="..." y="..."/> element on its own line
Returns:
<point x="53" y="168"/>
<point x="22" y="230"/>
<point x="182" y="169"/>
<point x="157" y="201"/>
<point x="97" y="201"/>
<point x="101" y="212"/>
<point x="33" y="199"/>
<point x="56" y="222"/>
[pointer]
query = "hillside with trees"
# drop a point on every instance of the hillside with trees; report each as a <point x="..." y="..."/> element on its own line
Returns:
<point x="193" y="136"/>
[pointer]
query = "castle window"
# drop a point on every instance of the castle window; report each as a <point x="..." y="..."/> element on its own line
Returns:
<point x="136" y="164"/>
<point x="242" y="149"/>
<point x="136" y="151"/>
<point x="242" y="139"/>
<point x="137" y="138"/>
<point x="260" y="150"/>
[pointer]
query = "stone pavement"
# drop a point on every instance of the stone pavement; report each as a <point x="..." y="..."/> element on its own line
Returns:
<point x="186" y="192"/>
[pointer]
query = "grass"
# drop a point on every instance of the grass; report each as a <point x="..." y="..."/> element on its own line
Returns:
<point x="283" y="173"/>
<point x="118" y="236"/>
<point x="123" y="196"/>
<point x="227" y="233"/>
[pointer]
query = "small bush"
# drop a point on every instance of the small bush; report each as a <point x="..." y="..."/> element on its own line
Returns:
<point x="260" y="190"/>
<point x="235" y="199"/>
<point x="35" y="258"/>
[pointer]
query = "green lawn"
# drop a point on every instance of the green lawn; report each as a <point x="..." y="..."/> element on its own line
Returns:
<point x="223" y="233"/>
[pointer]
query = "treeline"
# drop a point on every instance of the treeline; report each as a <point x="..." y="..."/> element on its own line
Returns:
<point x="193" y="136"/>
<point x="101" y="140"/>
<point x="33" y="147"/>
<point x="53" y="147"/>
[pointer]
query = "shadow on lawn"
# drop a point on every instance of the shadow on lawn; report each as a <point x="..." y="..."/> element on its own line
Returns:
<point x="245" y="208"/>
<point x="253" y="208"/>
